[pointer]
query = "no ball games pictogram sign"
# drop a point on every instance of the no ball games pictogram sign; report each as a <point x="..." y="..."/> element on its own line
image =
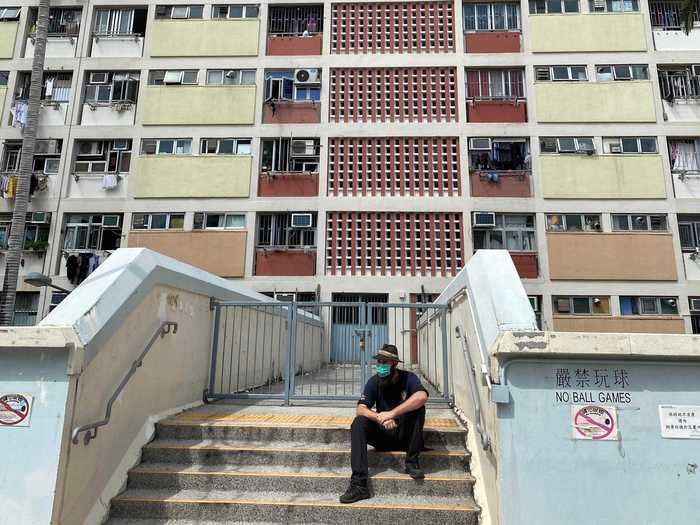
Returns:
<point x="15" y="410"/>
<point x="594" y="422"/>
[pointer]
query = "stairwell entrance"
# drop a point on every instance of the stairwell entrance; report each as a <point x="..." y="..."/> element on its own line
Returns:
<point x="323" y="350"/>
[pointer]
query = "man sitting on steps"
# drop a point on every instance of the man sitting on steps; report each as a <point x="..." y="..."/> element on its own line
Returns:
<point x="396" y="425"/>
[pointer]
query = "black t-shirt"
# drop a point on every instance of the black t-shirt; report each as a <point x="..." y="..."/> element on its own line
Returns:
<point x="388" y="397"/>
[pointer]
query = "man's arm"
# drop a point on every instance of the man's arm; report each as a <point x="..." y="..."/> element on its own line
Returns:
<point x="416" y="401"/>
<point x="364" y="410"/>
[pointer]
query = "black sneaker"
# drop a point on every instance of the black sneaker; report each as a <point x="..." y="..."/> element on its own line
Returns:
<point x="413" y="469"/>
<point x="355" y="493"/>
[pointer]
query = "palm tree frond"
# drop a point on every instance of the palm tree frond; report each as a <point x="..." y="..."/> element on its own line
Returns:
<point x="688" y="15"/>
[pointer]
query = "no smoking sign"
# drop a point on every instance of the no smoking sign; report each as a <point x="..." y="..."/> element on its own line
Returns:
<point x="594" y="422"/>
<point x="15" y="410"/>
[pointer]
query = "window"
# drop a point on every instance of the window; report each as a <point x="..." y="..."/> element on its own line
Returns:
<point x="87" y="232"/>
<point x="225" y="147"/>
<point x="630" y="305"/>
<point x="179" y="11"/>
<point x="104" y="88"/>
<point x="56" y="87"/>
<point x="276" y="230"/>
<point x="98" y="156"/>
<point x="567" y="145"/>
<point x="512" y="232"/>
<point x="120" y="22"/>
<point x="9" y="13"/>
<point x="220" y="221"/>
<point x="684" y="154"/>
<point x="26" y="308"/>
<point x="679" y="82"/>
<point x="639" y="222"/>
<point x="689" y="232"/>
<point x="287" y="85"/>
<point x="295" y="20"/>
<point x="234" y="11"/>
<point x="542" y="7"/>
<point x="290" y="155"/>
<point x="622" y="72"/>
<point x="495" y="84"/>
<point x="166" y="147"/>
<point x="581" y="305"/>
<point x="613" y="6"/>
<point x="4" y="75"/>
<point x="560" y="73"/>
<point x="576" y="222"/>
<point x="492" y="17"/>
<point x="231" y="77"/>
<point x="630" y="145"/>
<point x="173" y="77"/>
<point x="63" y="21"/>
<point x="499" y="154"/>
<point x="36" y="233"/>
<point x="666" y="15"/>
<point x="47" y="156"/>
<point x="158" y="221"/>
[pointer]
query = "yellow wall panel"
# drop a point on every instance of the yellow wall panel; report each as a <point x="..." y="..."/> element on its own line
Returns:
<point x="200" y="38"/>
<point x="8" y="34"/>
<point x="161" y="176"/>
<point x="205" y="105"/>
<point x="587" y="32"/>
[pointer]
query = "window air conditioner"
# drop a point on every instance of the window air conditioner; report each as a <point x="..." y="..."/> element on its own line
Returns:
<point x="46" y="147"/>
<point x="534" y="302"/>
<point x="41" y="217"/>
<point x="98" y="78"/>
<point x="480" y="143"/>
<point x="92" y="148"/>
<point x="615" y="148"/>
<point x="598" y="5"/>
<point x="307" y="76"/>
<point x="301" y="220"/>
<point x="304" y="148"/>
<point x="542" y="73"/>
<point x="111" y="221"/>
<point x="695" y="304"/>
<point x="120" y="144"/>
<point x="285" y="297"/>
<point x="484" y="219"/>
<point x="563" y="306"/>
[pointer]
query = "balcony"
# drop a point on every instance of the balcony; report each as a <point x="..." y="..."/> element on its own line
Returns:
<point x="219" y="252"/>
<point x="290" y="45"/>
<point x="496" y="110"/>
<point x="119" y="32"/>
<point x="8" y="36"/>
<point x="115" y="114"/>
<point x="205" y="38"/>
<point x="294" y="30"/>
<point x="691" y="262"/>
<point x="526" y="264"/>
<point x="495" y="183"/>
<point x="287" y="112"/>
<point x="611" y="256"/>
<point x="496" y="95"/>
<point x="116" y="45"/>
<point x="288" y="262"/>
<point x="590" y="32"/>
<point x="685" y="168"/>
<point x="63" y="32"/>
<point x="172" y="176"/>
<point x="666" y="22"/>
<point x="199" y="105"/>
<point x="602" y="177"/>
<point x="492" y="42"/>
<point x="680" y="92"/>
<point x="285" y="184"/>
<point x="666" y="324"/>
<point x="592" y="102"/>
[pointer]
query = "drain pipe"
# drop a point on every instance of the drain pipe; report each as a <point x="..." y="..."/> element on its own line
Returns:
<point x="485" y="439"/>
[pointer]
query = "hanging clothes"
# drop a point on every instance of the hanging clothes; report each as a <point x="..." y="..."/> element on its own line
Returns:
<point x="109" y="181"/>
<point x="33" y="184"/>
<point x="93" y="263"/>
<point x="84" y="268"/>
<point x="72" y="265"/>
<point x="11" y="190"/>
<point x="48" y="87"/>
<point x="19" y="114"/>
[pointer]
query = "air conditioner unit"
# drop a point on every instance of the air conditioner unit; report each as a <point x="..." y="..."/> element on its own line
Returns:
<point x="563" y="306"/>
<point x="111" y="221"/>
<point x="307" y="76"/>
<point x="285" y="297"/>
<point x="42" y="217"/>
<point x="598" y="5"/>
<point x="615" y="148"/>
<point x="695" y="69"/>
<point x="695" y="304"/>
<point x="301" y="220"/>
<point x="304" y="148"/>
<point x="480" y="143"/>
<point x="309" y="167"/>
<point x="51" y="166"/>
<point x="92" y="148"/>
<point x="534" y="302"/>
<point x="484" y="219"/>
<point x="120" y="144"/>
<point x="99" y="78"/>
<point x="46" y="147"/>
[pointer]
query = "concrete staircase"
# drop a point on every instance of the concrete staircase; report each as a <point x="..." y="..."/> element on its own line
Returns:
<point x="233" y="464"/>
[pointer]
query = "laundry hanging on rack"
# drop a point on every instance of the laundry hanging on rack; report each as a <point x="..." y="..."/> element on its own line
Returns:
<point x="109" y="181"/>
<point x="11" y="189"/>
<point x="19" y="114"/>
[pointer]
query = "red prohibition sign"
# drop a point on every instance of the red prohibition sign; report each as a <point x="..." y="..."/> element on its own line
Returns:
<point x="16" y="415"/>
<point x="606" y="426"/>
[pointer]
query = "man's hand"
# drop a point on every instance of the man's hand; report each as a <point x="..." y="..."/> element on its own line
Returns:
<point x="383" y="417"/>
<point x="389" y="424"/>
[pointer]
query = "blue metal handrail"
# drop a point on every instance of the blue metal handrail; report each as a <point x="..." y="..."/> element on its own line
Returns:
<point x="163" y="330"/>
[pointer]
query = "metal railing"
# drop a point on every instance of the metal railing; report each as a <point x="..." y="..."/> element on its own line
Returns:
<point x="471" y="376"/>
<point x="667" y="15"/>
<point x="90" y="429"/>
<point x="679" y="85"/>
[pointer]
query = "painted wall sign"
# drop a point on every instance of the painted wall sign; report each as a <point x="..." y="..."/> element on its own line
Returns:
<point x="594" y="422"/>
<point x="680" y="421"/>
<point x="592" y="385"/>
<point x="15" y="410"/>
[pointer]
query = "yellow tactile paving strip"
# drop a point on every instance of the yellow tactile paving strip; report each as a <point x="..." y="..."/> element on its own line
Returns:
<point x="269" y="420"/>
<point x="423" y="506"/>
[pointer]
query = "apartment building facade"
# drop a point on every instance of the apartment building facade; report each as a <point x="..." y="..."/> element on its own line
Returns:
<point x="364" y="150"/>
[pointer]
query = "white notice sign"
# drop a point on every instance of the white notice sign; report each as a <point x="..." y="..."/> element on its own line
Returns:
<point x="680" y="421"/>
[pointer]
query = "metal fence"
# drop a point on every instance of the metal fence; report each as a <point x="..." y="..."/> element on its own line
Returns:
<point x="322" y="350"/>
<point x="679" y="85"/>
<point x="666" y="15"/>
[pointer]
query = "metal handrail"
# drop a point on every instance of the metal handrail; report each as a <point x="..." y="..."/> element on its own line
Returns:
<point x="483" y="435"/>
<point x="163" y="329"/>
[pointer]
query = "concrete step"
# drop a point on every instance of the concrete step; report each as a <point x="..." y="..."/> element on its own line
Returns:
<point x="222" y="430"/>
<point x="284" y="479"/>
<point x="166" y="521"/>
<point x="297" y="507"/>
<point x="290" y="454"/>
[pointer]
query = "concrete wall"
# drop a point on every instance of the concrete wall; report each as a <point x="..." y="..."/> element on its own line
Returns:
<point x="681" y="110"/>
<point x="210" y="105"/>
<point x="688" y="188"/>
<point x="3" y="94"/>
<point x="219" y="252"/>
<point x="631" y="101"/>
<point x="496" y="111"/>
<point x="611" y="256"/>
<point x="492" y="42"/>
<point x="288" y="185"/>
<point x="192" y="176"/>
<point x="662" y="324"/>
<point x="8" y="35"/>
<point x="285" y="262"/>
<point x="676" y="40"/>
<point x="587" y="32"/>
<point x="692" y="267"/>
<point x="279" y="45"/>
<point x="192" y="38"/>
<point x="602" y="177"/>
<point x="515" y="184"/>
